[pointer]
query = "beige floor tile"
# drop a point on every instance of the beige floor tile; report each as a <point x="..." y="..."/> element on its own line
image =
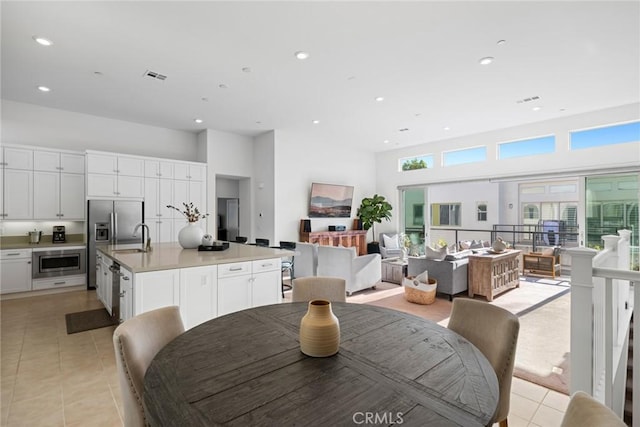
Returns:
<point x="74" y="391"/>
<point x="522" y="407"/>
<point x="35" y="388"/>
<point x="93" y="408"/>
<point x="44" y="410"/>
<point x="547" y="417"/>
<point x="556" y="400"/>
<point x="529" y="390"/>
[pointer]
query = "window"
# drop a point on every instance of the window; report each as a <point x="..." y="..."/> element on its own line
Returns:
<point x="527" y="147"/>
<point x="445" y="214"/>
<point x="416" y="162"/>
<point x="469" y="155"/>
<point x="617" y="134"/>
<point x="481" y="210"/>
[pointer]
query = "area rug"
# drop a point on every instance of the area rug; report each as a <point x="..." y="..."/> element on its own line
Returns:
<point x="542" y="305"/>
<point x="87" y="320"/>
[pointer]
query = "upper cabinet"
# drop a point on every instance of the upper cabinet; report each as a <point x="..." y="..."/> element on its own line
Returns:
<point x="158" y="169"/>
<point x="190" y="171"/>
<point x="42" y="184"/>
<point x="115" y="176"/>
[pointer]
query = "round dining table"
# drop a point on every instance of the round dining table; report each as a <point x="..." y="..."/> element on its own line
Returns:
<point x="246" y="369"/>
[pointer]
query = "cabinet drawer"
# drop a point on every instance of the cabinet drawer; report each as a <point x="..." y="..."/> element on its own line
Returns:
<point x="235" y="269"/>
<point x="15" y="254"/>
<point x="266" y="265"/>
<point x="58" y="282"/>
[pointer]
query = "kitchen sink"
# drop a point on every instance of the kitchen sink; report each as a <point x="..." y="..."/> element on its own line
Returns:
<point x="129" y="251"/>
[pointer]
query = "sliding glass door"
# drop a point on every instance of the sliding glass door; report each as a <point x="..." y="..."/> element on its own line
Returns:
<point x="414" y="217"/>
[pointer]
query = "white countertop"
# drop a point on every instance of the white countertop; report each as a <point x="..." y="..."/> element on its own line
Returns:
<point x="170" y="256"/>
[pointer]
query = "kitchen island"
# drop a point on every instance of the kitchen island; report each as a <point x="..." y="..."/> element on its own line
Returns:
<point x="204" y="284"/>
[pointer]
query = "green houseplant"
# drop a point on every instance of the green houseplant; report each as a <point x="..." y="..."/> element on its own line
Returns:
<point x="373" y="209"/>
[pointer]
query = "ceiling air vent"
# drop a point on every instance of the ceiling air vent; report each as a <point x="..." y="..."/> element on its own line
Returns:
<point x="154" y="75"/>
<point x="532" y="98"/>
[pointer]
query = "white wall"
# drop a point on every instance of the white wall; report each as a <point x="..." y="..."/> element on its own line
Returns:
<point x="302" y="159"/>
<point x="264" y="191"/>
<point x="29" y="124"/>
<point x="562" y="161"/>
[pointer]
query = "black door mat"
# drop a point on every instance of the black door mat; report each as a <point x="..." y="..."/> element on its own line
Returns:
<point x="87" y="320"/>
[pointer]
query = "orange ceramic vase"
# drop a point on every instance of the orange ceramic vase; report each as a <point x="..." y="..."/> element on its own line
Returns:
<point x="319" y="330"/>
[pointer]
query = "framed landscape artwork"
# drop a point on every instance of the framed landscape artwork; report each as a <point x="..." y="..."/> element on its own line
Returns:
<point x="330" y="201"/>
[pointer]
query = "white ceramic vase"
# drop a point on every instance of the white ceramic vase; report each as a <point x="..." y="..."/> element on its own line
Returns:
<point x="319" y="330"/>
<point x="190" y="237"/>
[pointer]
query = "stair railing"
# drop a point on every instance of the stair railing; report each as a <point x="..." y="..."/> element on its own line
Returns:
<point x="602" y="295"/>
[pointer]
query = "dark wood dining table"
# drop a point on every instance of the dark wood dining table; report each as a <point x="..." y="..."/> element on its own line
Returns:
<point x="246" y="369"/>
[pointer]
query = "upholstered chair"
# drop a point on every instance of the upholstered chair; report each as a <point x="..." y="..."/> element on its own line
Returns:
<point x="309" y="288"/>
<point x="585" y="411"/>
<point x="390" y="245"/>
<point x="494" y="331"/>
<point x="136" y="342"/>
<point x="306" y="259"/>
<point x="359" y="272"/>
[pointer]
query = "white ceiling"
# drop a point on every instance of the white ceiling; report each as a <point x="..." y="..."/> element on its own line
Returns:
<point x="422" y="57"/>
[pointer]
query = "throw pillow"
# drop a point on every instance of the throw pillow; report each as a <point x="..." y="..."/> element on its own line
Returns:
<point x="391" y="242"/>
<point x="435" y="254"/>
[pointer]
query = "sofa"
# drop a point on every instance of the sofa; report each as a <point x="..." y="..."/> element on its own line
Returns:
<point x="359" y="272"/>
<point x="450" y="273"/>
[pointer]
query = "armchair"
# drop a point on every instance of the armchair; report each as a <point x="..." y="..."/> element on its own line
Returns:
<point x="390" y="245"/>
<point x="359" y="272"/>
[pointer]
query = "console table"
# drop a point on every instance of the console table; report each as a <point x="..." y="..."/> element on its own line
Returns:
<point x="494" y="273"/>
<point x="348" y="238"/>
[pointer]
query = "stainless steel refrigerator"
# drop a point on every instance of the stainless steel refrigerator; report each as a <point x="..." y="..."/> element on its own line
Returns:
<point x="110" y="221"/>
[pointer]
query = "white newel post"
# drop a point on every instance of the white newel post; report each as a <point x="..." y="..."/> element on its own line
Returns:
<point x="581" y="319"/>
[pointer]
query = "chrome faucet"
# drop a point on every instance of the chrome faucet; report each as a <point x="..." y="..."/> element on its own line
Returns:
<point x="147" y="247"/>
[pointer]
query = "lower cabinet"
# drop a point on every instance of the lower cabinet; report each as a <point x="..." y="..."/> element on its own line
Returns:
<point x="198" y="295"/>
<point x="203" y="293"/>
<point x="15" y="270"/>
<point x="126" y="294"/>
<point x="58" y="282"/>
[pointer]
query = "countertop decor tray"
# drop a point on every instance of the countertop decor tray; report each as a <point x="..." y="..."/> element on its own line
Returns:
<point x="219" y="246"/>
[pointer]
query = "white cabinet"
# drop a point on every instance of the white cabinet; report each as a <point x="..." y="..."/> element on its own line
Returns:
<point x="265" y="286"/>
<point x="234" y="287"/>
<point x="18" y="158"/>
<point x="188" y="192"/>
<point x="156" y="289"/>
<point x="58" y="195"/>
<point x="158" y="193"/>
<point x="190" y="171"/>
<point x="126" y="294"/>
<point x="18" y="194"/>
<point x="58" y="282"/>
<point x="111" y="175"/>
<point x="104" y="281"/>
<point x="198" y="295"/>
<point x="15" y="271"/>
<point x="158" y="169"/>
<point x="55" y="161"/>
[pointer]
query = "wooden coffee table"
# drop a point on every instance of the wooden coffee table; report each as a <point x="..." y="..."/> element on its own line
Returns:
<point x="394" y="270"/>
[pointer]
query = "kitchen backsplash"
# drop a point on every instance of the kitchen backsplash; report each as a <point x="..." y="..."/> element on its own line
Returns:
<point x="22" y="228"/>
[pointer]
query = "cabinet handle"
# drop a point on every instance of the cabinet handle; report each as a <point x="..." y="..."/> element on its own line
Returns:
<point x="14" y="254"/>
<point x="122" y="294"/>
<point x="125" y="278"/>
<point x="61" y="214"/>
<point x="235" y="269"/>
<point x="28" y="262"/>
<point x="59" y="283"/>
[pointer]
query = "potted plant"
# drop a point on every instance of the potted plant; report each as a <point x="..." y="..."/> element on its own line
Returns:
<point x="373" y="209"/>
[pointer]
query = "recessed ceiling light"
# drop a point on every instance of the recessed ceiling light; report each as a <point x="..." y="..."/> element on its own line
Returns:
<point x="42" y="41"/>
<point x="44" y="89"/>
<point x="223" y="86"/>
<point x="301" y="54"/>
<point x="447" y="128"/>
<point x="386" y="141"/>
<point x="315" y="122"/>
<point x="379" y="98"/>
<point x="536" y="108"/>
<point x="486" y="60"/>
<point x="501" y="42"/>
<point x="197" y="120"/>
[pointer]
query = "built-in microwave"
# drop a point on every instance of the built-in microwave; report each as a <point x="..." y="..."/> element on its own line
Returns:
<point x="59" y="262"/>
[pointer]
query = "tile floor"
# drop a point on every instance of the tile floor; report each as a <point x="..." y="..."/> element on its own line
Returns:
<point x="49" y="378"/>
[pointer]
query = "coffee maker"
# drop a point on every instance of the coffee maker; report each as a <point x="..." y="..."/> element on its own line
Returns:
<point x="58" y="234"/>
